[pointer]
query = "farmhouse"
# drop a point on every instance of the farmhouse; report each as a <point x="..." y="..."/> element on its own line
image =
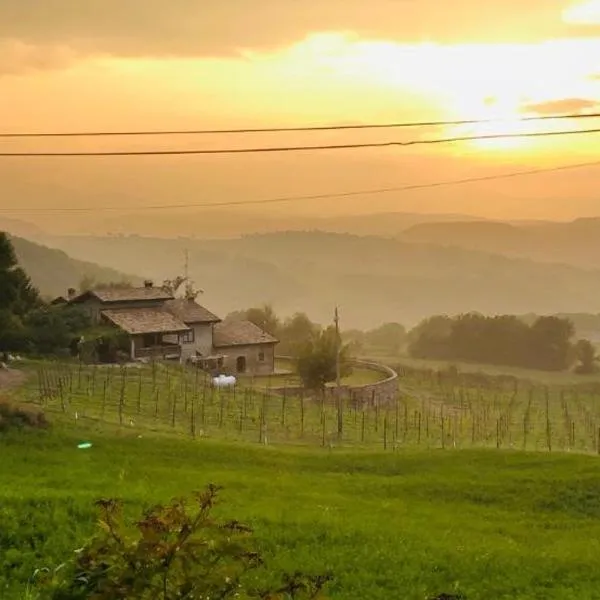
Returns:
<point x="160" y="326"/>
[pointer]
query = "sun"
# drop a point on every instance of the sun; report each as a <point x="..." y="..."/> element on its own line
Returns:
<point x="497" y="117"/>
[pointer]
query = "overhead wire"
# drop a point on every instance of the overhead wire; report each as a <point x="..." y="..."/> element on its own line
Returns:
<point x="286" y="199"/>
<point x="250" y="130"/>
<point x="273" y="149"/>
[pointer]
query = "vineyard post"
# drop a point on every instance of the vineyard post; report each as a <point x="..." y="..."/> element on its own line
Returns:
<point x="385" y="427"/>
<point x="362" y="430"/>
<point x="376" y="403"/>
<point x="122" y="394"/>
<point x="497" y="434"/>
<point x="324" y="423"/>
<point x="396" y="420"/>
<point x="405" y="417"/>
<point x="139" y="398"/>
<point x="40" y="388"/>
<point x="61" y="391"/>
<point x="419" y="429"/>
<point x="94" y="369"/>
<point x="221" y="409"/>
<point x="185" y="394"/>
<point x="193" y="415"/>
<point x="261" y="419"/>
<point x="302" y="413"/>
<point x="283" y="406"/>
<point x="174" y="408"/>
<point x="548" y="427"/>
<point x="104" y="392"/>
<point x="80" y="367"/>
<point x="442" y="426"/>
<point x="598" y="440"/>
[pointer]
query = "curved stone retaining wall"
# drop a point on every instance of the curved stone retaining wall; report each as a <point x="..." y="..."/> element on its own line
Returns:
<point x="378" y="393"/>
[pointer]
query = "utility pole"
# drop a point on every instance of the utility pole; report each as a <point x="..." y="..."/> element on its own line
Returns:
<point x="340" y="412"/>
<point x="336" y="320"/>
<point x="186" y="271"/>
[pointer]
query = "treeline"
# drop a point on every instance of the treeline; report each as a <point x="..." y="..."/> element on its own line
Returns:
<point x="546" y="344"/>
<point x="27" y="323"/>
<point x="295" y="331"/>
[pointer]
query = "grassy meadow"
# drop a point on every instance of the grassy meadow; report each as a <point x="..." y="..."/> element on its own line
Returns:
<point x="431" y="410"/>
<point x="410" y="525"/>
<point x="431" y="494"/>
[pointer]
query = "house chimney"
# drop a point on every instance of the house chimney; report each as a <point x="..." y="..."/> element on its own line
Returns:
<point x="148" y="283"/>
<point x="71" y="293"/>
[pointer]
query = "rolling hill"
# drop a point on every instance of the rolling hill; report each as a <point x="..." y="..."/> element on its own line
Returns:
<point x="576" y="242"/>
<point x="53" y="271"/>
<point x="373" y="279"/>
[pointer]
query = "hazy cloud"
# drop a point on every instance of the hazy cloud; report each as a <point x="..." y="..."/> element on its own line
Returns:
<point x="566" y="105"/>
<point x="17" y="57"/>
<point x="223" y="27"/>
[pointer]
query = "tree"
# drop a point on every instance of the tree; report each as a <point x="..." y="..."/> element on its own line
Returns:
<point x="265" y="318"/>
<point x="88" y="283"/>
<point x="17" y="294"/>
<point x="295" y="333"/>
<point x="551" y="343"/>
<point x="585" y="353"/>
<point x="17" y="298"/>
<point x="431" y="338"/>
<point x="50" y="329"/>
<point x="389" y="336"/>
<point x="316" y="361"/>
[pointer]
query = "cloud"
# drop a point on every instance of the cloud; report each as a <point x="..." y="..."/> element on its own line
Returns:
<point x="200" y="28"/>
<point x="18" y="58"/>
<point x="563" y="106"/>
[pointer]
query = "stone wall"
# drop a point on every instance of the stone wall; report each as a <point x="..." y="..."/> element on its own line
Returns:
<point x="380" y="392"/>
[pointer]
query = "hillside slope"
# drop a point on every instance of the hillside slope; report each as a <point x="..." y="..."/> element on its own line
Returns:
<point x="372" y="279"/>
<point x="53" y="271"/>
<point x="576" y="242"/>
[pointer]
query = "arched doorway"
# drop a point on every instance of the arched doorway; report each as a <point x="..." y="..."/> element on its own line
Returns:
<point x="240" y="364"/>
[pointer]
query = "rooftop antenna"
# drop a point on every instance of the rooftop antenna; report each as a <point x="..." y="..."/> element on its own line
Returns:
<point x="186" y="271"/>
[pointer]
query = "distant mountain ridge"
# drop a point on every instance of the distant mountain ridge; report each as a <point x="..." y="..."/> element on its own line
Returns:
<point x="53" y="272"/>
<point x="373" y="279"/>
<point x="576" y="242"/>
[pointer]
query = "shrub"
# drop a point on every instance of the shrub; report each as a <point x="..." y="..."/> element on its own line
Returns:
<point x="15" y="416"/>
<point x="175" y="553"/>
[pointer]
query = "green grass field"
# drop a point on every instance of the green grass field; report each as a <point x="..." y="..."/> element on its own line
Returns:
<point x="464" y="411"/>
<point x="451" y="505"/>
<point x="491" y="525"/>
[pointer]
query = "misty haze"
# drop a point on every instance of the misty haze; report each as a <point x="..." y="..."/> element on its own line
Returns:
<point x="299" y="300"/>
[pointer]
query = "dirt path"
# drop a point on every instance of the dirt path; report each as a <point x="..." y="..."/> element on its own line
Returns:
<point x="10" y="378"/>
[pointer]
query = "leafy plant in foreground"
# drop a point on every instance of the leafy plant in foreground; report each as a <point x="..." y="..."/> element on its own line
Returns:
<point x="175" y="554"/>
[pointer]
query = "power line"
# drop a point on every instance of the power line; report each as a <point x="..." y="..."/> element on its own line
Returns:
<point x="273" y="149"/>
<point x="294" y="129"/>
<point x="285" y="199"/>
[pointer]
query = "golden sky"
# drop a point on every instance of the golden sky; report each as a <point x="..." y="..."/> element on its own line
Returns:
<point x="114" y="64"/>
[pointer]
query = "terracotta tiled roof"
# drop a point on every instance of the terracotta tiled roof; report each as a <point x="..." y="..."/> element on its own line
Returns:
<point x="136" y="321"/>
<point x="189" y="311"/>
<point x="240" y="333"/>
<point x="133" y="294"/>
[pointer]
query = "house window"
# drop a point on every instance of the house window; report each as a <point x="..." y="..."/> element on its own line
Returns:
<point x="261" y="357"/>
<point x="187" y="337"/>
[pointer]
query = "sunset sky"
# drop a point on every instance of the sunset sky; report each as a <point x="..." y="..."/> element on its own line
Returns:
<point x="135" y="64"/>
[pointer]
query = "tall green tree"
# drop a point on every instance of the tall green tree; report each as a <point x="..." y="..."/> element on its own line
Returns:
<point x="265" y="318"/>
<point x="586" y="355"/>
<point x="17" y="294"/>
<point x="17" y="298"/>
<point x="317" y="360"/>
<point x="295" y="333"/>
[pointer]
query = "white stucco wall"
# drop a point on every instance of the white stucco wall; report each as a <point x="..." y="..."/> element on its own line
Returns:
<point x="202" y="343"/>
